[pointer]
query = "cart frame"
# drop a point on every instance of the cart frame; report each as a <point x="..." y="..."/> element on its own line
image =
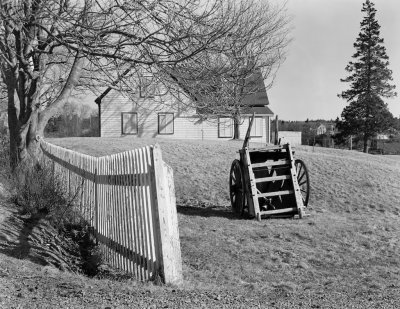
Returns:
<point x="267" y="174"/>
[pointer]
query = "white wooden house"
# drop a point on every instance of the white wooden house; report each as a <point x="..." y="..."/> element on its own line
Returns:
<point x="145" y="114"/>
<point x="321" y="129"/>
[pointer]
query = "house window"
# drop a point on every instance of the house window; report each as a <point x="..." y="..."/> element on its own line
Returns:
<point x="166" y="123"/>
<point x="225" y="127"/>
<point x="129" y="123"/>
<point x="147" y="87"/>
<point x="257" y="128"/>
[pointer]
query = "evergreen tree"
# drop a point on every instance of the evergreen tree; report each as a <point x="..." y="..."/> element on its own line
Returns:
<point x="369" y="79"/>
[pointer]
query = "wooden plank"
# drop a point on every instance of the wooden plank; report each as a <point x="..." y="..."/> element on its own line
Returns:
<point x="89" y="193"/>
<point x="145" y="205"/>
<point x="119" y="215"/>
<point x="296" y="187"/>
<point x="247" y="137"/>
<point x="124" y="213"/>
<point x="133" y="211"/>
<point x="150" y="214"/>
<point x="105" y="209"/>
<point x="266" y="148"/>
<point x="278" y="211"/>
<point x="253" y="189"/>
<point x="102" y="214"/>
<point x="110" y="212"/>
<point x="139" y="214"/>
<point x="172" y="215"/>
<point x="136" y="215"/>
<point x="115" y="202"/>
<point x="272" y="178"/>
<point x="128" y="208"/>
<point x="84" y="192"/>
<point x="164" y="225"/>
<point x="277" y="193"/>
<point x="79" y="188"/>
<point x="270" y="163"/>
<point x="116" y="223"/>
<point x="98" y="199"/>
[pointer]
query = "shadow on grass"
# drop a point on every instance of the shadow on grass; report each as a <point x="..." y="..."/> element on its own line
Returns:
<point x="209" y="211"/>
<point x="15" y="234"/>
<point x="224" y="212"/>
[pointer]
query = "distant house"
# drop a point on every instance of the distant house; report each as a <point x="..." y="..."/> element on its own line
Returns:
<point x="147" y="114"/>
<point x="324" y="135"/>
<point x="321" y="129"/>
<point x="382" y="136"/>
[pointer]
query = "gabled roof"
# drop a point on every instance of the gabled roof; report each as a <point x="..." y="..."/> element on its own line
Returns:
<point x="256" y="101"/>
<point x="260" y="110"/>
<point x="100" y="97"/>
<point x="256" y="87"/>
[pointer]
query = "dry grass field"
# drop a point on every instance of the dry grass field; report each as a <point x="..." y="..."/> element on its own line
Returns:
<point x="344" y="254"/>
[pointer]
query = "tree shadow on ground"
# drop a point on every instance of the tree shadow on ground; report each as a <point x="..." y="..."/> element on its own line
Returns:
<point x="15" y="233"/>
<point x="209" y="211"/>
<point x="223" y="212"/>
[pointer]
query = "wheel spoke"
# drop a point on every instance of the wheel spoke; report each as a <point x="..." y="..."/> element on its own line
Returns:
<point x="300" y="167"/>
<point x="236" y="187"/>
<point x="303" y="180"/>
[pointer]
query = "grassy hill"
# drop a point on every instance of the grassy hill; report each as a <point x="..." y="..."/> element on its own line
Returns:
<point x="346" y="252"/>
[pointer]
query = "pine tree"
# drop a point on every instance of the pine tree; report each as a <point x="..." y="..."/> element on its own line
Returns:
<point x="369" y="79"/>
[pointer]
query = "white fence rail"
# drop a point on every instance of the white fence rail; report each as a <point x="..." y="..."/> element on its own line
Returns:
<point x="129" y="200"/>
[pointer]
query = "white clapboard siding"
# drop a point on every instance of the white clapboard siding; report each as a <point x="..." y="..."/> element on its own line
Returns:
<point x="129" y="200"/>
<point x="186" y="124"/>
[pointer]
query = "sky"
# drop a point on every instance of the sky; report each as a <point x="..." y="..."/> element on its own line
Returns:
<point x="324" y="31"/>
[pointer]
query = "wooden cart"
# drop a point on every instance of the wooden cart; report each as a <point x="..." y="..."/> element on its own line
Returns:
<point x="268" y="181"/>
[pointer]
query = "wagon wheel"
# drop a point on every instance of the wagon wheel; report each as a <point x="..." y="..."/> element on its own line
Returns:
<point x="303" y="180"/>
<point x="236" y="186"/>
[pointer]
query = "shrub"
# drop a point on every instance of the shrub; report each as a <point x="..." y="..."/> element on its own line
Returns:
<point x="41" y="194"/>
<point x="92" y="258"/>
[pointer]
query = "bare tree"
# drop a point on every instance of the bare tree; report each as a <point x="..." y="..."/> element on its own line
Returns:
<point x="50" y="49"/>
<point x="249" y="56"/>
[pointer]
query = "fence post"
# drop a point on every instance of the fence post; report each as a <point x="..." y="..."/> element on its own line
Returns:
<point x="166" y="221"/>
<point x="96" y="203"/>
<point x="69" y="179"/>
<point x="276" y="142"/>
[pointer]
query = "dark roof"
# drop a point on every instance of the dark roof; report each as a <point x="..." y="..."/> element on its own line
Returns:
<point x="256" y="87"/>
<point x="100" y="97"/>
<point x="257" y="100"/>
<point x="260" y="110"/>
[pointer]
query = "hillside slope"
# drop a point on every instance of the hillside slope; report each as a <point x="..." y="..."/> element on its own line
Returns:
<point x="344" y="254"/>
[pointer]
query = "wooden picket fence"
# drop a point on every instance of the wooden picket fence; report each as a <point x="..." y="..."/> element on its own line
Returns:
<point x="129" y="200"/>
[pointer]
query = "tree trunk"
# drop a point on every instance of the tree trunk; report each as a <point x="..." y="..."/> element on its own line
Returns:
<point x="236" y="128"/>
<point x="24" y="146"/>
<point x="365" y="143"/>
